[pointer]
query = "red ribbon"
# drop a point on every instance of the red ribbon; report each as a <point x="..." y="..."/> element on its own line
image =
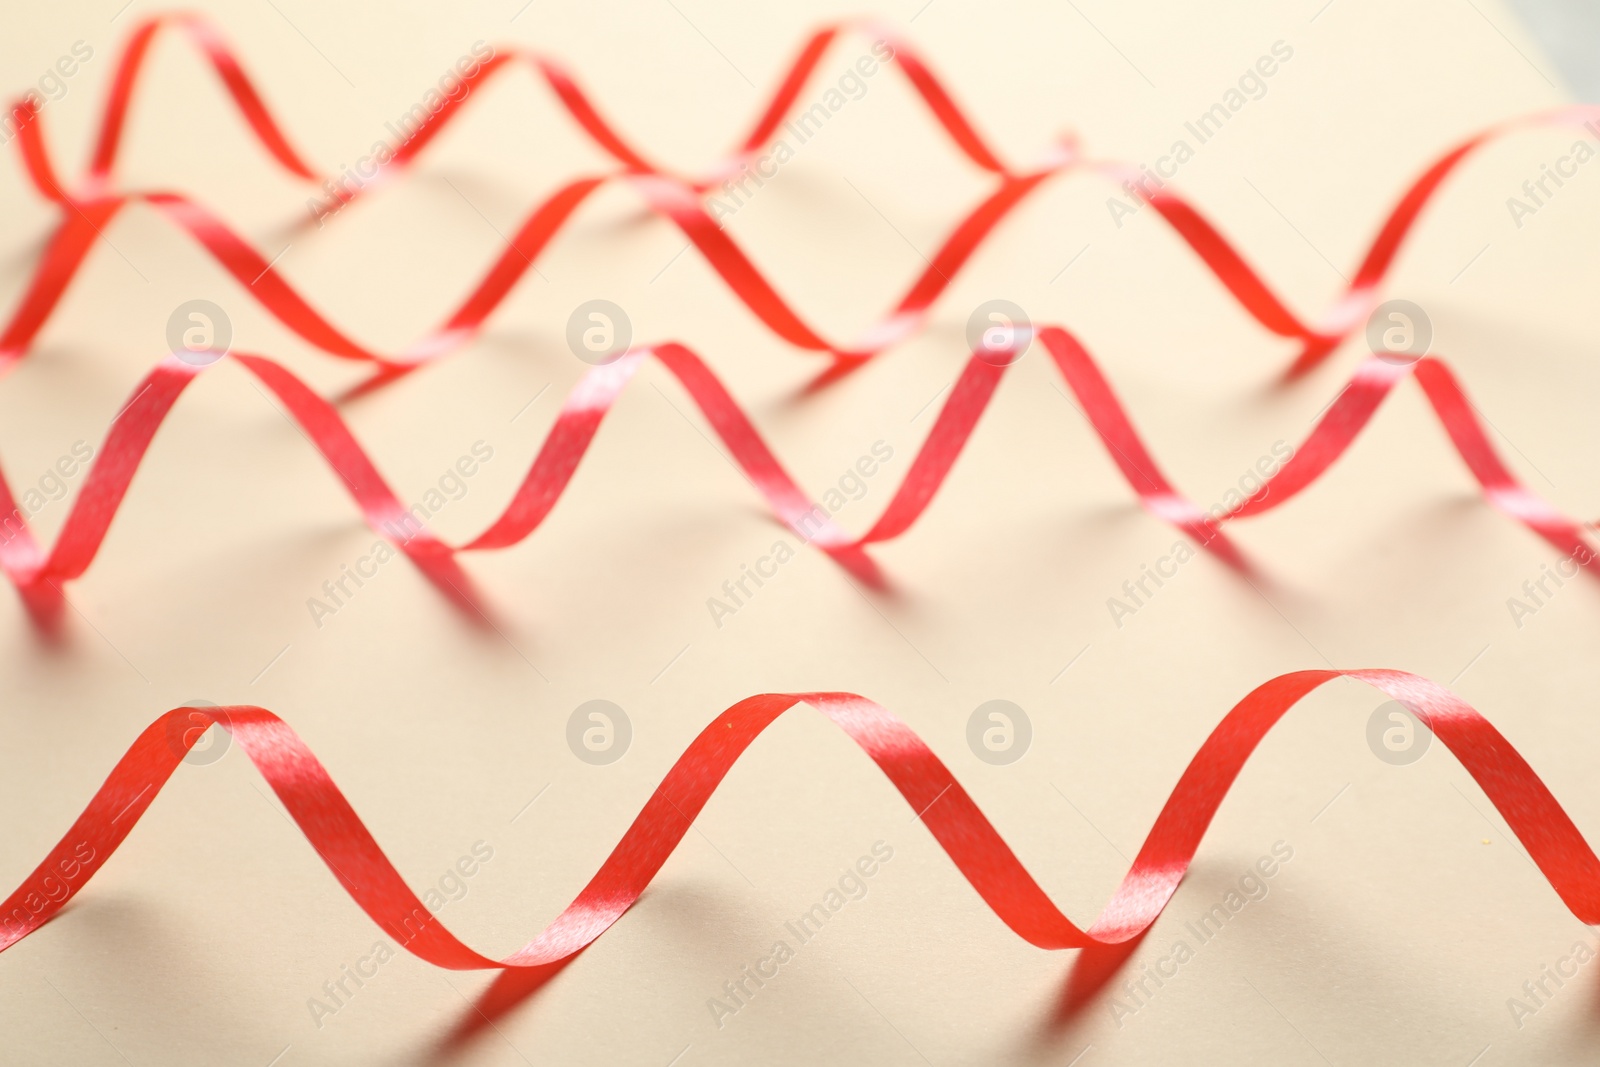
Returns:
<point x="85" y="220"/>
<point x="111" y="474"/>
<point x="214" y="47"/>
<point x="334" y="830"/>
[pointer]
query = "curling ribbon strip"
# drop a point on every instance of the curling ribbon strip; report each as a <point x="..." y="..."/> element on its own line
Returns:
<point x="132" y="430"/>
<point x="200" y="32"/>
<point x="971" y="842"/>
<point x="76" y="236"/>
<point x="1242" y="281"/>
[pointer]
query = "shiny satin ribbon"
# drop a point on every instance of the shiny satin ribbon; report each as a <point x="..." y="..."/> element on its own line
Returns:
<point x="1242" y="281"/>
<point x="84" y="221"/>
<point x="112" y="472"/>
<point x="1360" y="297"/>
<point x="971" y="842"/>
<point x="213" y="46"/>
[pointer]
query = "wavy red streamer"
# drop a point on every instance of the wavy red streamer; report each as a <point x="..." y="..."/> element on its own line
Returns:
<point x="111" y="474"/>
<point x="79" y="231"/>
<point x="971" y="842"/>
<point x="214" y="47"/>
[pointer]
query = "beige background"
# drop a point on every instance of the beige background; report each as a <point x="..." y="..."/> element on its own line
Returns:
<point x="1406" y="918"/>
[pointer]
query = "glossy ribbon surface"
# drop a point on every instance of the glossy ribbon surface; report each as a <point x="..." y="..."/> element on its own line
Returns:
<point x="972" y="843"/>
<point x="89" y="520"/>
